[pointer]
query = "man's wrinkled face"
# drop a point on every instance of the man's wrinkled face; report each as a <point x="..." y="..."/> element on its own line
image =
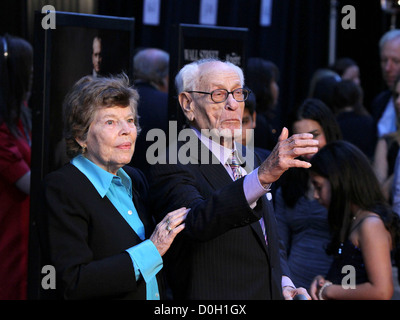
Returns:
<point x="223" y="118"/>
<point x="390" y="61"/>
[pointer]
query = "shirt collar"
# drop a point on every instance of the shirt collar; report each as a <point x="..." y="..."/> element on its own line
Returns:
<point x="220" y="152"/>
<point x="100" y="178"/>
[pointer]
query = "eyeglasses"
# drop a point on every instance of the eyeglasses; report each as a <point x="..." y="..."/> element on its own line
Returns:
<point x="221" y="95"/>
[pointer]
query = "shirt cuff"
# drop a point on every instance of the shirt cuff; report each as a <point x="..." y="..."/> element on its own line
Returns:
<point x="146" y="260"/>
<point x="253" y="188"/>
<point x="287" y="282"/>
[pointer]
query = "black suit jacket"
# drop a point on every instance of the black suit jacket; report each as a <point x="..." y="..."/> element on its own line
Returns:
<point x="88" y="237"/>
<point x="221" y="254"/>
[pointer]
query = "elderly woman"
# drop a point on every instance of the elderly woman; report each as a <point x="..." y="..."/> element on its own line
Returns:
<point x="98" y="225"/>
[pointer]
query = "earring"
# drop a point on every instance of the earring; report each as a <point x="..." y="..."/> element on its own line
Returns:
<point x="84" y="149"/>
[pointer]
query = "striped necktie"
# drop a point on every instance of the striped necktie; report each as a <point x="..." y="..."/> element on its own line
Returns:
<point x="235" y="166"/>
<point x="237" y="174"/>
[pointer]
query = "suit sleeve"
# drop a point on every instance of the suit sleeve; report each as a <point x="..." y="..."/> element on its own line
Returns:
<point x="175" y="186"/>
<point x="79" y="275"/>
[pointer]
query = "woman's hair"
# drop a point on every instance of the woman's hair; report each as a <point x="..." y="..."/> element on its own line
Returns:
<point x="352" y="181"/>
<point x="295" y="181"/>
<point x="260" y="73"/>
<point x="86" y="97"/>
<point x="341" y="65"/>
<point x="347" y="93"/>
<point x="16" y="63"/>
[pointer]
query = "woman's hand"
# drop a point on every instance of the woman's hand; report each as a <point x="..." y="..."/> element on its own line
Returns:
<point x="166" y="231"/>
<point x="289" y="293"/>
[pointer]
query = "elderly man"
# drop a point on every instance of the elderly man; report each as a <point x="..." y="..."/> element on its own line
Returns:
<point x="230" y="247"/>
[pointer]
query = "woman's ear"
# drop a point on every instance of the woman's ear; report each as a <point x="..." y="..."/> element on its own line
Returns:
<point x="81" y="142"/>
<point x="186" y="103"/>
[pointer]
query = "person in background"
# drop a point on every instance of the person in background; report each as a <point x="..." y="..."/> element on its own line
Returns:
<point x="302" y="221"/>
<point x="347" y="69"/>
<point x="151" y="74"/>
<point x="322" y="84"/>
<point x="249" y="124"/>
<point x="356" y="124"/>
<point x="262" y="77"/>
<point x="365" y="231"/>
<point x="387" y="149"/>
<point x="16" y="63"/>
<point x="382" y="107"/>
<point x="97" y="57"/>
<point x="102" y="241"/>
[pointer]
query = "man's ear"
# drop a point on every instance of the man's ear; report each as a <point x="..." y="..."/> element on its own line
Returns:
<point x="186" y="102"/>
<point x="254" y="119"/>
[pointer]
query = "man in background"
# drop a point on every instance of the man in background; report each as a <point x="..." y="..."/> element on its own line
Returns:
<point x="150" y="73"/>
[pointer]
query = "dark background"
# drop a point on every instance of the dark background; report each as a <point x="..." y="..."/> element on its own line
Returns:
<point x="297" y="40"/>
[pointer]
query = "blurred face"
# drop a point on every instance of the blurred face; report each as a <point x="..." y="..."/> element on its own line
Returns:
<point x="223" y="119"/>
<point x="352" y="73"/>
<point x="390" y="61"/>
<point x="248" y="123"/>
<point x="111" y="138"/>
<point x="322" y="189"/>
<point x="313" y="127"/>
<point x="96" y="55"/>
<point x="275" y="92"/>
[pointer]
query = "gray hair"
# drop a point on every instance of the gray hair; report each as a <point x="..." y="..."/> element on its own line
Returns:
<point x="389" y="36"/>
<point x="188" y="77"/>
<point x="151" y="65"/>
<point x="86" y="97"/>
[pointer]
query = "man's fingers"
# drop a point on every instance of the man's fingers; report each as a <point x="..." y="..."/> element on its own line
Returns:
<point x="300" y="164"/>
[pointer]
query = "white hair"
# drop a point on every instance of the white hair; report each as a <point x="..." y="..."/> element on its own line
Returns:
<point x="188" y="77"/>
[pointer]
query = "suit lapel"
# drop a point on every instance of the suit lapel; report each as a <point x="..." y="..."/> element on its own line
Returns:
<point x="211" y="168"/>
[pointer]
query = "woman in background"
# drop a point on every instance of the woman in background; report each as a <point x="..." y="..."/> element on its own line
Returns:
<point x="364" y="228"/>
<point x="302" y="221"/>
<point x="16" y="60"/>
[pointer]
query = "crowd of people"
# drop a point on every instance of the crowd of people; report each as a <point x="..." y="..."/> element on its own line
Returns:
<point x="251" y="206"/>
